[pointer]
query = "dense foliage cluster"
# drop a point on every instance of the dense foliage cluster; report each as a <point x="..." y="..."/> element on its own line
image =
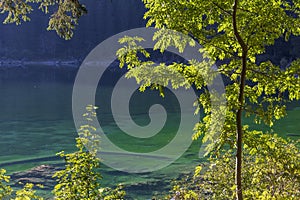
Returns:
<point x="271" y="170"/>
<point x="267" y="86"/>
<point x="64" y="17"/>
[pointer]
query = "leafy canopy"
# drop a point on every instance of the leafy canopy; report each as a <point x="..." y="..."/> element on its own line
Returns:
<point x="268" y="86"/>
<point x="63" y="19"/>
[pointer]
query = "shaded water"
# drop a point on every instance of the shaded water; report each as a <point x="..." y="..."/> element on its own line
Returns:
<point x="36" y="122"/>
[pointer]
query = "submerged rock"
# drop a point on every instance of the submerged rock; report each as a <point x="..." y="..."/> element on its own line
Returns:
<point x="38" y="175"/>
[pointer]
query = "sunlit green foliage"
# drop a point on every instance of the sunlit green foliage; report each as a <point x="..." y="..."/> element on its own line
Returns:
<point x="271" y="171"/>
<point x="26" y="193"/>
<point x="112" y="194"/>
<point x="265" y="82"/>
<point x="234" y="32"/>
<point x="80" y="180"/>
<point x="5" y="190"/>
<point x="230" y="31"/>
<point x="63" y="19"/>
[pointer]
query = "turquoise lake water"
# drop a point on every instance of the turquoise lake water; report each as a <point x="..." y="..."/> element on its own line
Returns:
<point x="36" y="122"/>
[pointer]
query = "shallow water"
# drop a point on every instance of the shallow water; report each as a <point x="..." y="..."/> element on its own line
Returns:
<point x="36" y="122"/>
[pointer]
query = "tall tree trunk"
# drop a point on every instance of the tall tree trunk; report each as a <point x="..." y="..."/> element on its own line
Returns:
<point x="239" y="134"/>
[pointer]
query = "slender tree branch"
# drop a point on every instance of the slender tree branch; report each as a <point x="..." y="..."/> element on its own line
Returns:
<point x="225" y="11"/>
<point x="248" y="11"/>
<point x="262" y="73"/>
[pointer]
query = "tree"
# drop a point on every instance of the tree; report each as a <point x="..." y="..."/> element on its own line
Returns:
<point x="80" y="180"/>
<point x="234" y="32"/>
